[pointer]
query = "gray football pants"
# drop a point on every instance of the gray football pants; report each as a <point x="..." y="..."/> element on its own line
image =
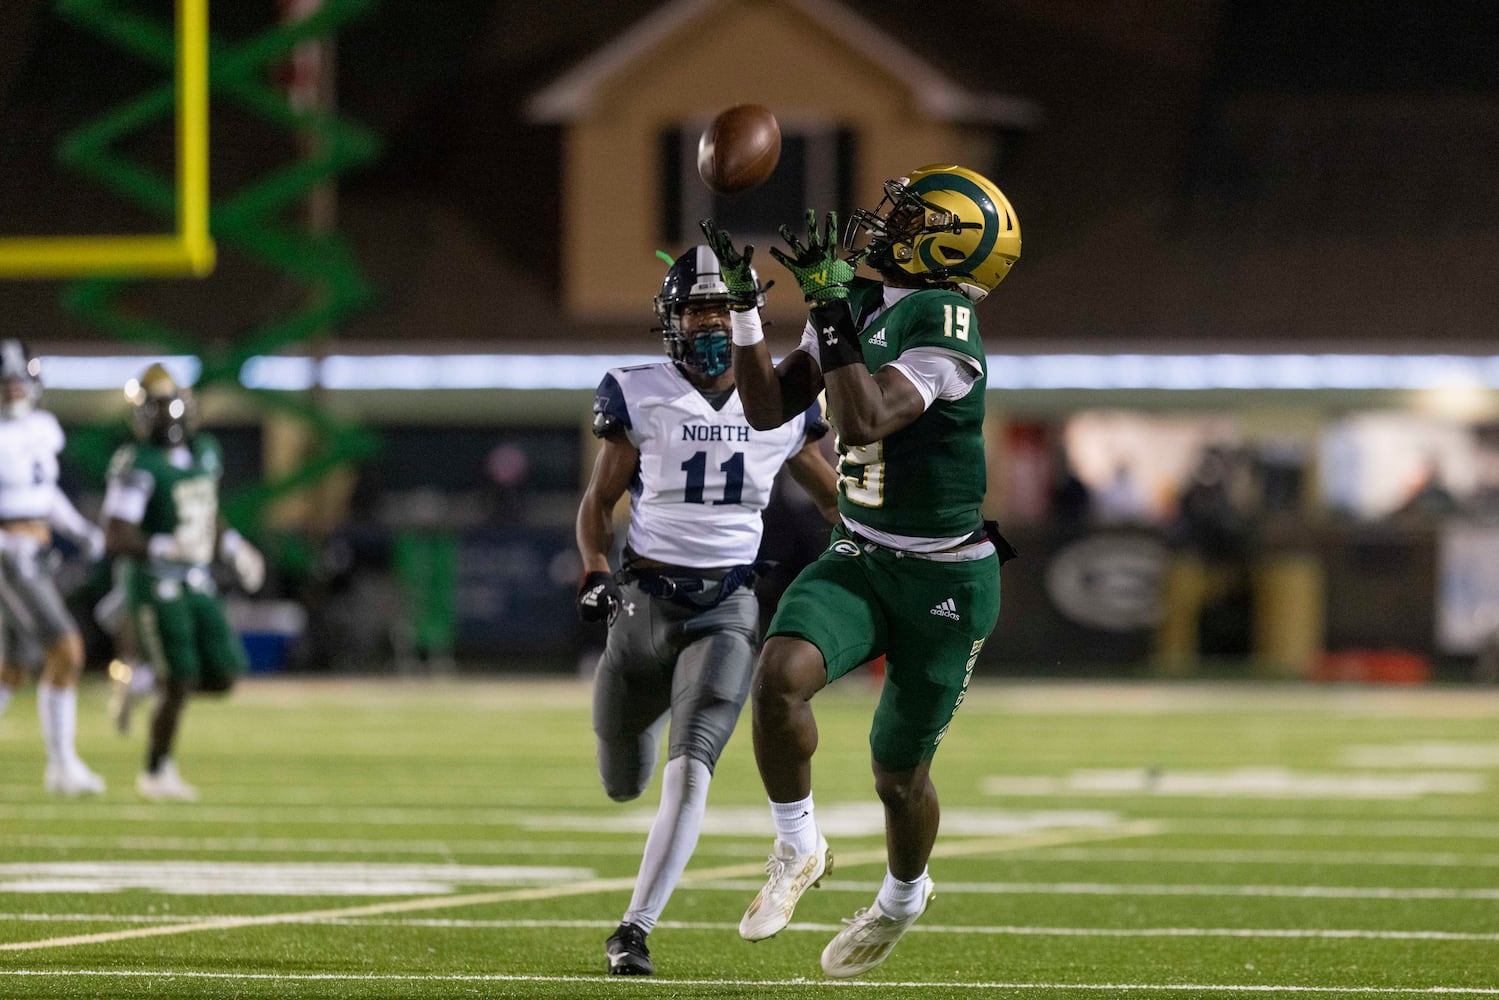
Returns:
<point x="33" y="612"/>
<point x="666" y="661"/>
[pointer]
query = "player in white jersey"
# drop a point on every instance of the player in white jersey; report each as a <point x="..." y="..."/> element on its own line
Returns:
<point x="683" y="620"/>
<point x="31" y="509"/>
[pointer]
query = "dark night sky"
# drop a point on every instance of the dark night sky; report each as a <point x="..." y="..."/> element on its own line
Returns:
<point x="1193" y="151"/>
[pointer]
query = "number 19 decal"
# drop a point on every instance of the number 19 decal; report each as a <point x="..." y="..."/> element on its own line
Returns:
<point x="955" y="321"/>
<point x="861" y="474"/>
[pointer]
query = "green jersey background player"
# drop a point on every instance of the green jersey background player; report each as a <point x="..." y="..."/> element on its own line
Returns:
<point x="161" y="514"/>
<point x="913" y="570"/>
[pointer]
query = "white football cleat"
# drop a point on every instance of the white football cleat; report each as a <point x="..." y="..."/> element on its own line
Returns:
<point x="791" y="874"/>
<point x="165" y="784"/>
<point x="870" y="936"/>
<point x="73" y="778"/>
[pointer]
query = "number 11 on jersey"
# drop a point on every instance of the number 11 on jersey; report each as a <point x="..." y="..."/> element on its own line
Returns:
<point x="696" y="468"/>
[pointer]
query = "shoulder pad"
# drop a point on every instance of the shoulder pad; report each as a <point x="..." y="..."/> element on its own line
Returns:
<point x="611" y="415"/>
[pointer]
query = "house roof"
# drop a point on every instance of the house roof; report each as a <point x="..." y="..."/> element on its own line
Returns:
<point x="572" y="95"/>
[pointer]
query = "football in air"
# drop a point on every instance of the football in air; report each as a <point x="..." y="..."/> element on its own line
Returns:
<point x="739" y="150"/>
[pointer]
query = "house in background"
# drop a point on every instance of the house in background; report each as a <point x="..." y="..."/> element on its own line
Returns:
<point x="855" y="107"/>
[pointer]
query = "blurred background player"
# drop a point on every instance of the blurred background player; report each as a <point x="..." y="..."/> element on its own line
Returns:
<point x="32" y="507"/>
<point x="913" y="571"/>
<point x="683" y="619"/>
<point x="161" y="511"/>
<point x="131" y="677"/>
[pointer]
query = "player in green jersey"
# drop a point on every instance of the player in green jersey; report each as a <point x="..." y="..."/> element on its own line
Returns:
<point x="913" y="569"/>
<point x="161" y="514"/>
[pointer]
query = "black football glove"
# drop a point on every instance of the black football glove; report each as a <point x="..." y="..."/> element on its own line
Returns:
<point x="599" y="597"/>
<point x="744" y="294"/>
<point x="820" y="273"/>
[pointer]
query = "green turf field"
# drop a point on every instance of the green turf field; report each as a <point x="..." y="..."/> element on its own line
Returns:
<point x="383" y="839"/>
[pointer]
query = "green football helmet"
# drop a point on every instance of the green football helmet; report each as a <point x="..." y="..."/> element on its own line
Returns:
<point x="944" y="224"/>
<point x="161" y="411"/>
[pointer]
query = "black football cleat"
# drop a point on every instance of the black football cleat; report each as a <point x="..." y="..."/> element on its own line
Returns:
<point x="627" y="953"/>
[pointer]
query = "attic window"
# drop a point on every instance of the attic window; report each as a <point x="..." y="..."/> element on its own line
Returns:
<point x="816" y="171"/>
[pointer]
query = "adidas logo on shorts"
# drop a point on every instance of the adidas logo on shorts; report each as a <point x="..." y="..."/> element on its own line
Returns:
<point x="947" y="609"/>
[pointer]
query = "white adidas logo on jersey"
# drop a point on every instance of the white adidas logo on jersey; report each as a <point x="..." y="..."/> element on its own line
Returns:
<point x="878" y="340"/>
<point x="947" y="609"/>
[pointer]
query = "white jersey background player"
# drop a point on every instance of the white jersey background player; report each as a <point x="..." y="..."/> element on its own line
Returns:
<point x="683" y="620"/>
<point x="31" y="509"/>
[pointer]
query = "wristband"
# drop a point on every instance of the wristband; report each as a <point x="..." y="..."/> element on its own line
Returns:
<point x="164" y="548"/>
<point x="744" y="328"/>
<point x="837" y="340"/>
<point x="230" y="542"/>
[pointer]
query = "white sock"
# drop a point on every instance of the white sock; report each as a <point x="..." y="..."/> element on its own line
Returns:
<point x="684" y="797"/>
<point x="65" y="723"/>
<point x="47" y="697"/>
<point x="6" y="691"/>
<point x="900" y="899"/>
<point x="795" y="824"/>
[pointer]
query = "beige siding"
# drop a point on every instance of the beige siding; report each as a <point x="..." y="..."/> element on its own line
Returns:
<point x="611" y="200"/>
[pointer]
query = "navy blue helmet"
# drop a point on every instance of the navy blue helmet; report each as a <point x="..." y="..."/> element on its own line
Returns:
<point x="21" y="377"/>
<point x="696" y="278"/>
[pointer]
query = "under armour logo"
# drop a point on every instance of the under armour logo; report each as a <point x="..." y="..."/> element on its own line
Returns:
<point x="830" y="334"/>
<point x="629" y="607"/>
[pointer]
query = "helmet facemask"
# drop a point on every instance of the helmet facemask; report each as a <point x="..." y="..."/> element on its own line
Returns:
<point x="162" y="412"/>
<point x="901" y="218"/>
<point x="944" y="225"/>
<point x="706" y="350"/>
<point x="694" y="283"/>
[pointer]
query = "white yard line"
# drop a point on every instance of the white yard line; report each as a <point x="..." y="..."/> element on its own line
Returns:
<point x="1230" y="856"/>
<point x="281" y="815"/>
<point x="1478" y="829"/>
<point x="707" y="848"/>
<point x="1292" y="933"/>
<point x="1163" y="889"/>
<point x="321" y="845"/>
<point x="652" y="982"/>
<point x="1485" y="827"/>
<point x="959" y="848"/>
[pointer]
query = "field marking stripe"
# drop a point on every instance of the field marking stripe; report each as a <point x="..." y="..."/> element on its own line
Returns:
<point x="1167" y="889"/>
<point x="1271" y="856"/>
<point x="1329" y="933"/>
<point x="959" y="848"/>
<point x="320" y="845"/>
<point x="779" y="983"/>
<point x="447" y="848"/>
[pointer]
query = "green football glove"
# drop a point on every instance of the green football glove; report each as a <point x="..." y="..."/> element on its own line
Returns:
<point x="744" y="293"/>
<point x="822" y="275"/>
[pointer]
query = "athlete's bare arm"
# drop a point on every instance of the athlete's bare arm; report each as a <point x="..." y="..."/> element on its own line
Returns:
<point x="612" y="472"/>
<point x="868" y="408"/>
<point x="813" y="473"/>
<point x="773" y="394"/>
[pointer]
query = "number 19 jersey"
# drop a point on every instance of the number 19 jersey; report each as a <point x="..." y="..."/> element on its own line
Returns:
<point x="180" y="487"/>
<point x="705" y="474"/>
<point x="927" y="479"/>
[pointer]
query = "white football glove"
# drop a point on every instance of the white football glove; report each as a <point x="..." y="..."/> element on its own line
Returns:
<point x="244" y="559"/>
<point x="93" y="544"/>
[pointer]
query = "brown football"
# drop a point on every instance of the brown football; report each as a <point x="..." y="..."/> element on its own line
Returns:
<point x="739" y="149"/>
